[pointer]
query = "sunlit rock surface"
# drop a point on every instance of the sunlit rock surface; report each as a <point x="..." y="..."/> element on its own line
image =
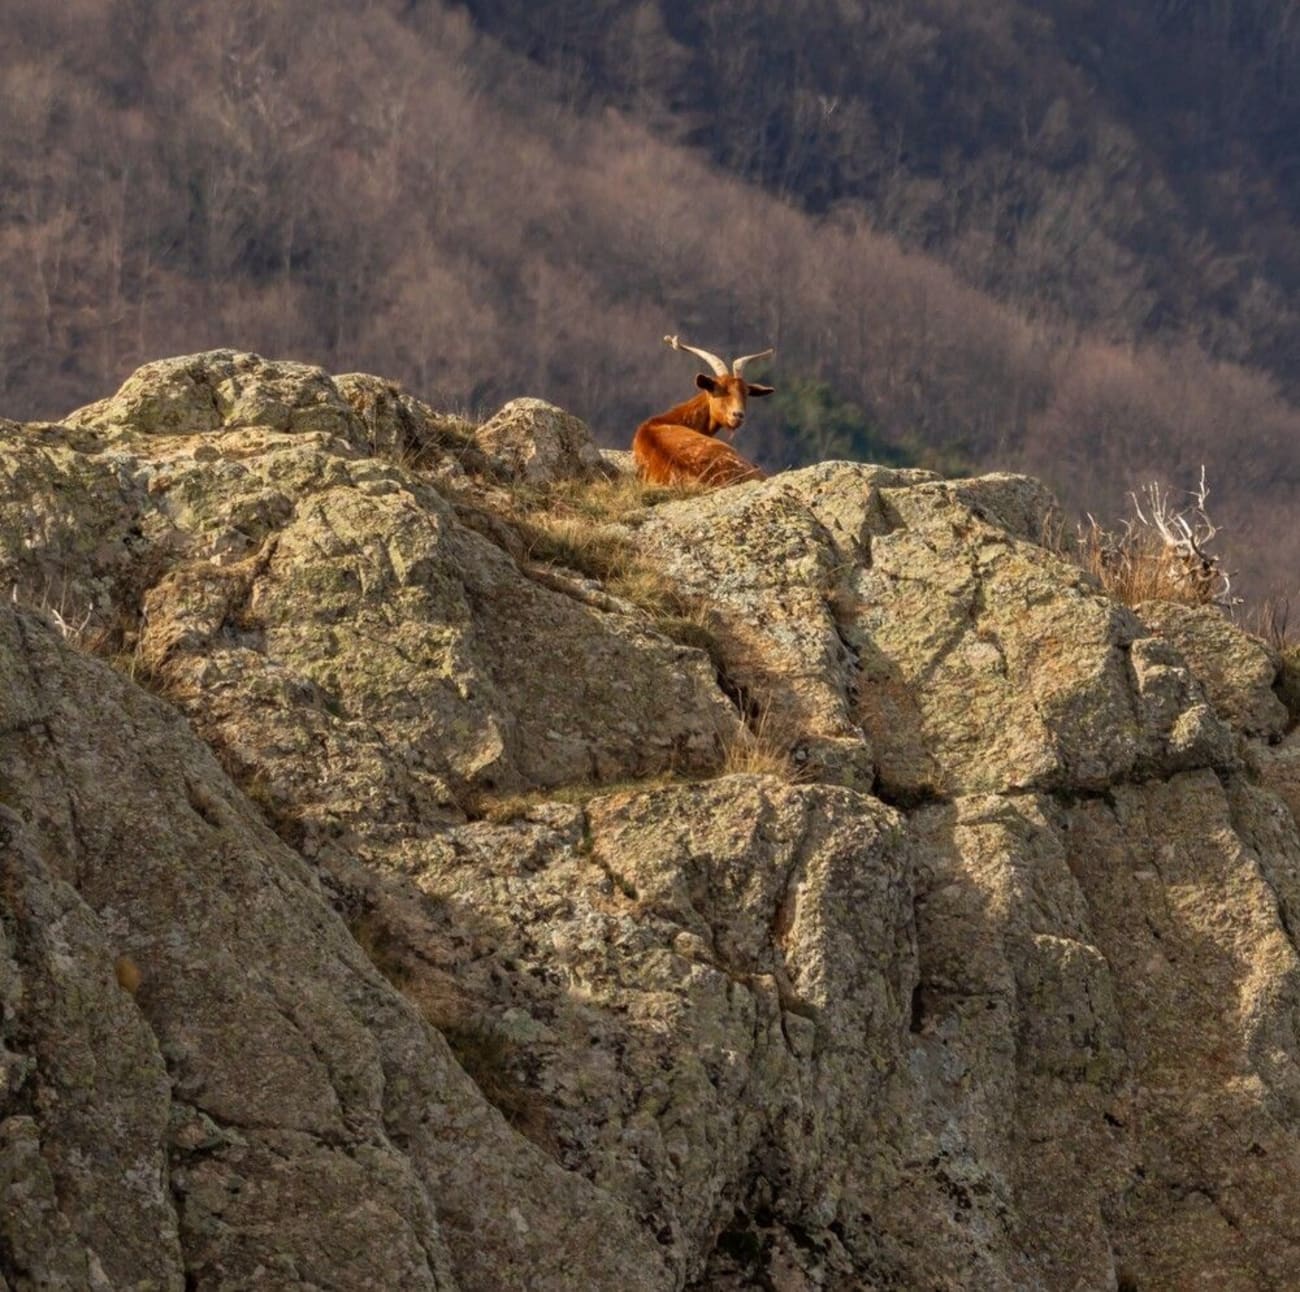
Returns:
<point x="378" y="912"/>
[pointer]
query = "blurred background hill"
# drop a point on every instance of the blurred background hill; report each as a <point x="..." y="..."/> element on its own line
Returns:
<point x="1058" y="237"/>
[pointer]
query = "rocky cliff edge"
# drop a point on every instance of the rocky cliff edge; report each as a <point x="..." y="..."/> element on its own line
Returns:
<point x="432" y="860"/>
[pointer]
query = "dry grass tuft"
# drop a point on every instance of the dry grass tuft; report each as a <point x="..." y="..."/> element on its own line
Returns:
<point x="488" y="1059"/>
<point x="1270" y="621"/>
<point x="556" y="538"/>
<point x="75" y="619"/>
<point x="570" y="524"/>
<point x="1158" y="554"/>
<point x="501" y="809"/>
<point x="112" y="635"/>
<point x="113" y="628"/>
<point x="763" y="747"/>
<point x="606" y="500"/>
<point x="691" y="623"/>
<point x="1135" y="565"/>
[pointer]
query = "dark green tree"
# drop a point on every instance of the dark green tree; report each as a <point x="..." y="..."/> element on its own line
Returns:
<point x="811" y="423"/>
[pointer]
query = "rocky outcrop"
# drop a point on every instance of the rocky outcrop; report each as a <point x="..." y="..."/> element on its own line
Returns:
<point x="254" y="1105"/>
<point x="1240" y="674"/>
<point x="407" y="935"/>
<point x="530" y="441"/>
<point x="919" y="630"/>
<point x="320" y="606"/>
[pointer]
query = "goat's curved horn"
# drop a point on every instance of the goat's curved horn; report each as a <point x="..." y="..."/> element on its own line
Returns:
<point x="719" y="368"/>
<point x="744" y="359"/>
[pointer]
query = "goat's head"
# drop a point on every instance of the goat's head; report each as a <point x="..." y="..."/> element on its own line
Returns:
<point x="727" y="391"/>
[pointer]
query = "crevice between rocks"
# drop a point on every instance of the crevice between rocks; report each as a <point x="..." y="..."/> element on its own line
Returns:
<point x="1284" y="915"/>
<point x="916" y="798"/>
<point x="739" y="696"/>
<point x="13" y="1275"/>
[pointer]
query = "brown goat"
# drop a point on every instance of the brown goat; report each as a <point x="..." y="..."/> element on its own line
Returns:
<point x="681" y="445"/>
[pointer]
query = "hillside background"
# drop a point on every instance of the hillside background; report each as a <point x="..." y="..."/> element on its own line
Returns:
<point x="1055" y="237"/>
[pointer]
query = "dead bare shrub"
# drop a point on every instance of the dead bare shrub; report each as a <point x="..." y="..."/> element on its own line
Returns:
<point x="1160" y="553"/>
<point x="109" y="633"/>
<point x="1270" y="621"/>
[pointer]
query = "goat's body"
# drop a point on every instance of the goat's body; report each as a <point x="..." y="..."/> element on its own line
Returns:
<point x="681" y="446"/>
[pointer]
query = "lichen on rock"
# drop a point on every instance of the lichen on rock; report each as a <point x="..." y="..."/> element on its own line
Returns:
<point x="531" y="441"/>
<point x="408" y="935"/>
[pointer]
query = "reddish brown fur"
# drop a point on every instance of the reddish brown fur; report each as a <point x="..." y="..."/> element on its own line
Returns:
<point x="680" y="445"/>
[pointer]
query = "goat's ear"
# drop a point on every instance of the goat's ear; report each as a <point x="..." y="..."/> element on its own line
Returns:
<point x="758" y="391"/>
<point x="705" y="382"/>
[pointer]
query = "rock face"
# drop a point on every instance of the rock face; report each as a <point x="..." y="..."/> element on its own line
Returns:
<point x="407" y="935"/>
<point x="262" y="1109"/>
<point x="534" y="442"/>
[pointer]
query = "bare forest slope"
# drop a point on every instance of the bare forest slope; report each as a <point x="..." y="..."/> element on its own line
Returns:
<point x="392" y="187"/>
<point x="1130" y="168"/>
